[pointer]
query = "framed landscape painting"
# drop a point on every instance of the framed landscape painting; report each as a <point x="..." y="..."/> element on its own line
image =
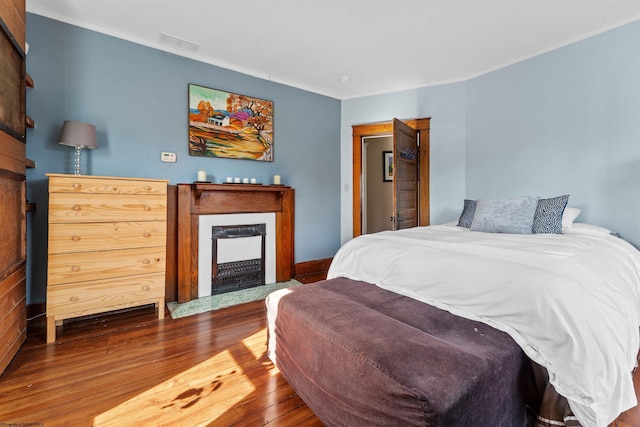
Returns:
<point x="225" y="124"/>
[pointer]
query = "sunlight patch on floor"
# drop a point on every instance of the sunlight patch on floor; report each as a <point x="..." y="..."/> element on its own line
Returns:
<point x="255" y="343"/>
<point x="197" y="396"/>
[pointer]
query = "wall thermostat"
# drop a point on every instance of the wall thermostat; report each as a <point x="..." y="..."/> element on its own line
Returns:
<point x="168" y="157"/>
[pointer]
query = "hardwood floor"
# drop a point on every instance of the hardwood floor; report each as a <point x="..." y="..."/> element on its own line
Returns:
<point x="131" y="369"/>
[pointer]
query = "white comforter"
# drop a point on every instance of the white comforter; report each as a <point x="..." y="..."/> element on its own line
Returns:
<point x="571" y="301"/>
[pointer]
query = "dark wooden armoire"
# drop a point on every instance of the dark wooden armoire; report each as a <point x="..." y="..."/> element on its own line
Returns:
<point x="13" y="163"/>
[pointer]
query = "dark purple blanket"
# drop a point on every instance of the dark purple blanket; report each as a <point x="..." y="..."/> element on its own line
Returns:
<point x="359" y="355"/>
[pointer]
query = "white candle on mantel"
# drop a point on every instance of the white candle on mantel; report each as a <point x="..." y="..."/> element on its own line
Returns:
<point x="202" y="176"/>
<point x="276" y="179"/>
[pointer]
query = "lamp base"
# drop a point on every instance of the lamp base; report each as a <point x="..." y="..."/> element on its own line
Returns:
<point x="78" y="149"/>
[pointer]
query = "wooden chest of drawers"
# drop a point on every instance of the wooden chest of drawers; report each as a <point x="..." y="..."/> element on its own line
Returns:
<point x="107" y="245"/>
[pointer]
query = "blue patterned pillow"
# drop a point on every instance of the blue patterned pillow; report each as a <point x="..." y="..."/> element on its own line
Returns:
<point x="548" y="217"/>
<point x="466" y="217"/>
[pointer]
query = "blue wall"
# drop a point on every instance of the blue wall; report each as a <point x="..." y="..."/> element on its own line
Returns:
<point x="137" y="99"/>
<point x="567" y="121"/>
<point x="445" y="105"/>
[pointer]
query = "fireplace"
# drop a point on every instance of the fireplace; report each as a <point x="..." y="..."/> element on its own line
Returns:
<point x="244" y="273"/>
<point x="198" y="203"/>
<point x="233" y="250"/>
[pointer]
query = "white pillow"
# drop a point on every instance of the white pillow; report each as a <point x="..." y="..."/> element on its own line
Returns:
<point x="568" y="216"/>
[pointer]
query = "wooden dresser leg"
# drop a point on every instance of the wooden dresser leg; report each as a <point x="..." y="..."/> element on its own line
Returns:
<point x="51" y="329"/>
<point x="160" y="307"/>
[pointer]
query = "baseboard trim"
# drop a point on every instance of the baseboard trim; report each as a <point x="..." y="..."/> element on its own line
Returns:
<point x="35" y="310"/>
<point x="36" y="318"/>
<point x="312" y="271"/>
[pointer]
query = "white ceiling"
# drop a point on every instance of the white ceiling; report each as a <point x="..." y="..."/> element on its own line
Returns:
<point x="381" y="45"/>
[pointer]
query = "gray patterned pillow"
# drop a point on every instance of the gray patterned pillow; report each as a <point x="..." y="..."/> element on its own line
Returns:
<point x="466" y="217"/>
<point x="548" y="217"/>
<point x="513" y="216"/>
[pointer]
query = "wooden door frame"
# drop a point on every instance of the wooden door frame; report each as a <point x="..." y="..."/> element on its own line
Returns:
<point x="421" y="125"/>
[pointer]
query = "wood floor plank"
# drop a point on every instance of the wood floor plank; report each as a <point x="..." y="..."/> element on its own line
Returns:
<point x="129" y="368"/>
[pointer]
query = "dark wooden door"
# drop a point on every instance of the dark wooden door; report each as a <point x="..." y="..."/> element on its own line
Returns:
<point x="405" y="175"/>
<point x="12" y="181"/>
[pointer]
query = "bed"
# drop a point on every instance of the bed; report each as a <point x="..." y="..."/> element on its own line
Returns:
<point x="449" y="326"/>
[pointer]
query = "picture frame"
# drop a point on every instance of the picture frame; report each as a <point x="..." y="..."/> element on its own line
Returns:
<point x="229" y="125"/>
<point x="387" y="166"/>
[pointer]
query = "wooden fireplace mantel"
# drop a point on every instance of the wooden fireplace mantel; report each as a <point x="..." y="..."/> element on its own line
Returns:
<point x="210" y="199"/>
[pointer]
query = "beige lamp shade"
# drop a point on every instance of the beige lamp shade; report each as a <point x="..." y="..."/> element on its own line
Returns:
<point x="78" y="134"/>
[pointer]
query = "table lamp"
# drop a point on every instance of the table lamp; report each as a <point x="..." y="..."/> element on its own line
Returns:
<point x="79" y="135"/>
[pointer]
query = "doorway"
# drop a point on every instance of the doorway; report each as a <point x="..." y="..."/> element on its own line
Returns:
<point x="377" y="186"/>
<point x="365" y="132"/>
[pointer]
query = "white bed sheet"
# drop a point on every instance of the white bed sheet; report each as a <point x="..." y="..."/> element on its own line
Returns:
<point x="571" y="301"/>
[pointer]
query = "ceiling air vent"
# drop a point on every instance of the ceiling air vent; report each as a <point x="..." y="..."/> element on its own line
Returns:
<point x="178" y="43"/>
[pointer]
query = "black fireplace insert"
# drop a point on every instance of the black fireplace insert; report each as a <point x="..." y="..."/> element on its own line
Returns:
<point x="236" y="275"/>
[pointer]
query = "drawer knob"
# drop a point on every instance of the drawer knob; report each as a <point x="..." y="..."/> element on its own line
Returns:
<point x="145" y="288"/>
<point x="74" y="298"/>
<point x="147" y="208"/>
<point x="146" y="261"/>
<point x="76" y="207"/>
<point x="146" y="234"/>
<point x="75" y="238"/>
<point x="75" y="268"/>
<point x="76" y="185"/>
<point x="147" y="188"/>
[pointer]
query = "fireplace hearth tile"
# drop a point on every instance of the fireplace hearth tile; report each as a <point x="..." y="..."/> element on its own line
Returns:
<point x="216" y="302"/>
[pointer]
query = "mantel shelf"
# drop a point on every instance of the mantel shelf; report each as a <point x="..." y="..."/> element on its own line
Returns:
<point x="201" y="187"/>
